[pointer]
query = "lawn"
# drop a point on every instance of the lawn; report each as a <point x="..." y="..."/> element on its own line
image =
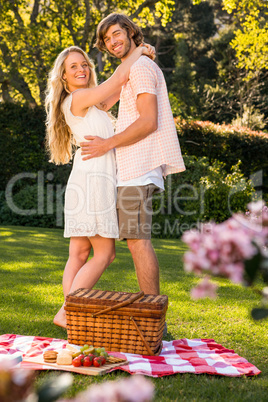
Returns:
<point x="32" y="262"/>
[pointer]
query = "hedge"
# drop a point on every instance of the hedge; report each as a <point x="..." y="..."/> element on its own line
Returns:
<point x="203" y="192"/>
<point x="227" y="144"/>
<point x="218" y="158"/>
<point x="22" y="134"/>
<point x="23" y="131"/>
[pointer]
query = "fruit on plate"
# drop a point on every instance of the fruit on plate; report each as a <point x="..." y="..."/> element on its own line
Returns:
<point x="103" y="360"/>
<point x="79" y="359"/>
<point x="87" y="354"/>
<point x="76" y="362"/>
<point x="97" y="361"/>
<point x="88" y="360"/>
<point x="83" y="348"/>
<point x="98" y="351"/>
<point x="89" y="350"/>
<point x="76" y="354"/>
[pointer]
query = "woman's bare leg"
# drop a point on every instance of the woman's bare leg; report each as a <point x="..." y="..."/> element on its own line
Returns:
<point x="89" y="273"/>
<point x="79" y="250"/>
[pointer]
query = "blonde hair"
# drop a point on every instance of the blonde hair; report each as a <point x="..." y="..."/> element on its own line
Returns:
<point x="59" y="139"/>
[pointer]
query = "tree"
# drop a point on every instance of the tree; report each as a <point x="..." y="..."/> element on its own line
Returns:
<point x="250" y="41"/>
<point x="34" y="32"/>
<point x="182" y="49"/>
<point x="223" y="77"/>
<point x="233" y="91"/>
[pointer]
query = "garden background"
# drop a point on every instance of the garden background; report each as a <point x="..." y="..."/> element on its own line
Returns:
<point x="214" y="58"/>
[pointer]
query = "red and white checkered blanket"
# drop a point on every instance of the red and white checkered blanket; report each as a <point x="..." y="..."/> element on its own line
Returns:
<point x="180" y="356"/>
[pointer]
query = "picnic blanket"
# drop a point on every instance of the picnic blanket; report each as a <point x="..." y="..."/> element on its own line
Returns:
<point x="197" y="356"/>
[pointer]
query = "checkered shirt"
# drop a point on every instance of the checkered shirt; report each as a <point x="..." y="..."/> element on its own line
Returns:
<point x="162" y="146"/>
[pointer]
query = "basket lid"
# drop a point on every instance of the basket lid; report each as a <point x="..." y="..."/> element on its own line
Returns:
<point x="112" y="298"/>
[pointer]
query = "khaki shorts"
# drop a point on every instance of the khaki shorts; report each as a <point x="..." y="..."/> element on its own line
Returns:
<point x="134" y="210"/>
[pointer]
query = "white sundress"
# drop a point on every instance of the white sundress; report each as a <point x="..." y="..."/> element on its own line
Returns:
<point x="90" y="196"/>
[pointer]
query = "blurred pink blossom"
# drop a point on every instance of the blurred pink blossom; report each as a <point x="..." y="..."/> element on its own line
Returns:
<point x="133" y="389"/>
<point x="136" y="389"/>
<point x="256" y="207"/>
<point x="222" y="249"/>
<point x="205" y="288"/>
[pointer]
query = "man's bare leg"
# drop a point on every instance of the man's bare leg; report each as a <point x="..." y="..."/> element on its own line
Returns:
<point x="146" y="265"/>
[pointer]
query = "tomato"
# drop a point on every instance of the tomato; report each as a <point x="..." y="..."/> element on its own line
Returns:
<point x="76" y="362"/>
<point x="97" y="361"/>
<point x="91" y="356"/>
<point x="87" y="362"/>
<point x="81" y="357"/>
<point x="103" y="360"/>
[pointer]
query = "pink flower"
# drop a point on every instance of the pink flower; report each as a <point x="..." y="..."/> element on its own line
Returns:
<point x="214" y="255"/>
<point x="136" y="389"/>
<point x="192" y="237"/>
<point x="235" y="272"/>
<point x="221" y="249"/>
<point x="205" y="288"/>
<point x="133" y="389"/>
<point x="235" y="244"/>
<point x="196" y="262"/>
<point x="256" y="207"/>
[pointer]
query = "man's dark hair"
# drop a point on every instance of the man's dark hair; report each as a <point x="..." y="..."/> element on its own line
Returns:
<point x="125" y="23"/>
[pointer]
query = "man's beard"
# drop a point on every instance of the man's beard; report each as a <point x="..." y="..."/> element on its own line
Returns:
<point x="127" y="49"/>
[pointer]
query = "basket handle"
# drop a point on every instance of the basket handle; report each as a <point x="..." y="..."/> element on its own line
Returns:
<point x="123" y="304"/>
<point x="149" y="350"/>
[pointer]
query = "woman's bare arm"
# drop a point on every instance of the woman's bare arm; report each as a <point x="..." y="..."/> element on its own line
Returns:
<point x="85" y="98"/>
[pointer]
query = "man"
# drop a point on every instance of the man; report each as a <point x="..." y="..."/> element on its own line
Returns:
<point x="146" y="143"/>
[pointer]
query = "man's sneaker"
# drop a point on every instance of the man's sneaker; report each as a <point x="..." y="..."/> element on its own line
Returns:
<point x="165" y="329"/>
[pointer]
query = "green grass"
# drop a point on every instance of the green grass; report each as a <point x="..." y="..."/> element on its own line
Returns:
<point x="32" y="263"/>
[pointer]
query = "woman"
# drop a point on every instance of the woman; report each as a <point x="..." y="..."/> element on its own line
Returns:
<point x="76" y="107"/>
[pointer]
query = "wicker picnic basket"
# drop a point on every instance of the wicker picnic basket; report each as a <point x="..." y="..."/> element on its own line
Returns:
<point x="118" y="321"/>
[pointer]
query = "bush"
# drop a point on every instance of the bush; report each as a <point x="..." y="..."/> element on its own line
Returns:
<point x="227" y="144"/>
<point x="251" y="117"/>
<point x="205" y="185"/>
<point x="32" y="205"/>
<point x="22" y="137"/>
<point x="203" y="192"/>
